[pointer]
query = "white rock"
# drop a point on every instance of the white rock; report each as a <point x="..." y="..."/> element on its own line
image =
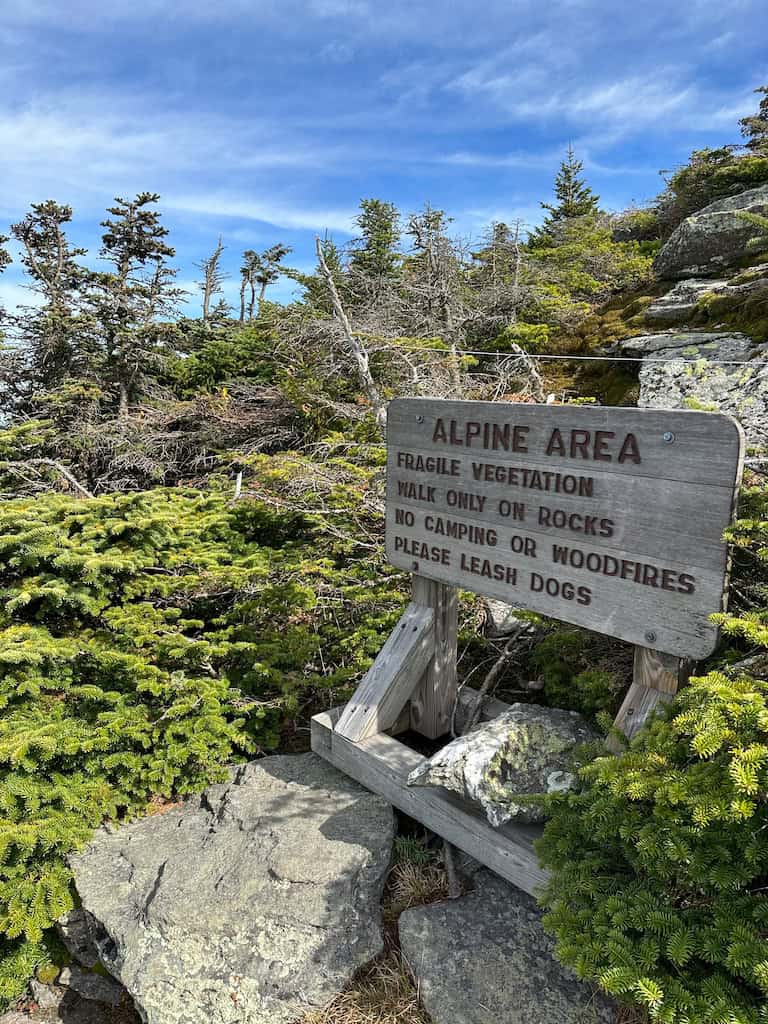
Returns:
<point x="525" y="751"/>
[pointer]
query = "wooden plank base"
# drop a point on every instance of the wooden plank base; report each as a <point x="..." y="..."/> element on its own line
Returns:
<point x="382" y="764"/>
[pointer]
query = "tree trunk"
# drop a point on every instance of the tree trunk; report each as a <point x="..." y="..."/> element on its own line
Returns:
<point x="122" y="408"/>
<point x="359" y="353"/>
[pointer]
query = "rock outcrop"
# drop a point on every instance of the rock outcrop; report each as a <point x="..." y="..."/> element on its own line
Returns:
<point x="712" y="239"/>
<point x="485" y="959"/>
<point x="726" y="372"/>
<point x="254" y="901"/>
<point x="678" y="304"/>
<point x="527" y="750"/>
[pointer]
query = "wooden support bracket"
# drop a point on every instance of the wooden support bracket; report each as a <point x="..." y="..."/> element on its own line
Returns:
<point x="656" y="678"/>
<point x="389" y="682"/>
<point x="433" y="699"/>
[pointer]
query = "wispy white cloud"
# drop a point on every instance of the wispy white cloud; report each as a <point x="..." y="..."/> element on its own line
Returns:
<point x="531" y="94"/>
<point x="283" y="213"/>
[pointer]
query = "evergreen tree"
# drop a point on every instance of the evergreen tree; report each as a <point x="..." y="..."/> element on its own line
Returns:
<point x="316" y="294"/>
<point x="58" y="334"/>
<point x="5" y="256"/>
<point x="754" y="128"/>
<point x="267" y="267"/>
<point x="130" y="299"/>
<point x="434" y="268"/>
<point x="260" y="269"/>
<point x="374" y="255"/>
<point x="247" y="270"/>
<point x="498" y="261"/>
<point x="574" y="199"/>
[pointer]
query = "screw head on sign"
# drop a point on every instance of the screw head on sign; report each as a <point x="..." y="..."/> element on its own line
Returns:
<point x="668" y="437"/>
<point x="650" y="637"/>
<point x="419" y="419"/>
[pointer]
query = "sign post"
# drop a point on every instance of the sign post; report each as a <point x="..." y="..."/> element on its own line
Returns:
<point x="607" y="518"/>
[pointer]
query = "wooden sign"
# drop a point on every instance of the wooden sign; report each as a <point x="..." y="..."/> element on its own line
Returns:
<point x="608" y="518"/>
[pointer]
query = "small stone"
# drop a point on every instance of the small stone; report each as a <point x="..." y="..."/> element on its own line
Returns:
<point x="92" y="986"/>
<point x="46" y="996"/>
<point x="76" y="932"/>
<point x="513" y="755"/>
<point x="486" y="959"/>
<point x="503" y="619"/>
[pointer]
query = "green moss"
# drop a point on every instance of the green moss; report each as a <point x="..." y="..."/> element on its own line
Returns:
<point x="747" y="314"/>
<point x="47" y="974"/>
<point x="694" y="403"/>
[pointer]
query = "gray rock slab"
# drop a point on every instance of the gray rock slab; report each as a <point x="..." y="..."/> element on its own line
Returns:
<point x="486" y="959"/>
<point x="679" y="303"/>
<point x="711" y="239"/>
<point x="689" y="374"/>
<point x="254" y="901"/>
<point x="526" y="750"/>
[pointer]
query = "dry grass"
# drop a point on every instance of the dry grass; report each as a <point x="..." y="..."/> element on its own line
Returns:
<point x="383" y="992"/>
<point x="412" y="885"/>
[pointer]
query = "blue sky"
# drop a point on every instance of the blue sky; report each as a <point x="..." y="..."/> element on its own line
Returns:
<point x="268" y="121"/>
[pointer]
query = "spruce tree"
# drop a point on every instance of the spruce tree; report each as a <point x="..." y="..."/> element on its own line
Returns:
<point x="574" y="198"/>
<point x="267" y="268"/>
<point x="316" y="294"/>
<point x="754" y="128"/>
<point x="130" y="299"/>
<point x="58" y="333"/>
<point x="5" y="256"/>
<point x="374" y="254"/>
<point x="260" y="269"/>
<point x="212" y="278"/>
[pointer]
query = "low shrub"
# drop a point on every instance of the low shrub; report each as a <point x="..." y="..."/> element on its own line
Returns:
<point x="146" y="640"/>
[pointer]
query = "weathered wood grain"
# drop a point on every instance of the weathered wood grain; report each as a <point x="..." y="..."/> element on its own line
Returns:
<point x="382" y="764"/>
<point x="702" y="439"/>
<point x="663" y="672"/>
<point x="656" y="679"/>
<point x="646" y="559"/>
<point x="389" y="682"/>
<point x="432" y="700"/>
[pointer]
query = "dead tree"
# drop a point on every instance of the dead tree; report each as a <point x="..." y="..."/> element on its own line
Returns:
<point x="212" y="278"/>
<point x="357" y="349"/>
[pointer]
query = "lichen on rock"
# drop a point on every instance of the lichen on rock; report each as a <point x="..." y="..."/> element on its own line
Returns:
<point x="256" y="900"/>
<point x="503" y="765"/>
<point x="713" y="238"/>
<point x="722" y="371"/>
